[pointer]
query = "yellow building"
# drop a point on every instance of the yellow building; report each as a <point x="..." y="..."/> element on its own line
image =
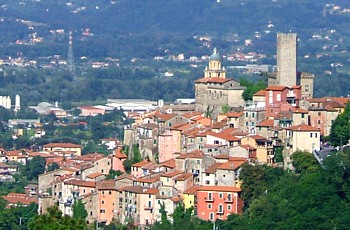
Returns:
<point x="189" y="197"/>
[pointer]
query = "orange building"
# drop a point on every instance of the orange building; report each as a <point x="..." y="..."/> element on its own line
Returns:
<point x="107" y="194"/>
<point x="218" y="202"/>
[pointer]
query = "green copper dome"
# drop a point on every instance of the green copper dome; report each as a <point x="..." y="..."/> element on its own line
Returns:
<point x="215" y="55"/>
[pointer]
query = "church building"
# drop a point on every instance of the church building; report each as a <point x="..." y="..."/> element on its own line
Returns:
<point x="214" y="90"/>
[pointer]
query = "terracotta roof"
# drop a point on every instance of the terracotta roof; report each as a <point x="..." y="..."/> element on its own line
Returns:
<point x="298" y="110"/>
<point x="213" y="80"/>
<point x="176" y="199"/>
<point x="169" y="163"/>
<point x="63" y="145"/>
<point x="197" y="118"/>
<point x="276" y="88"/>
<point x="166" y="116"/>
<point x="150" y="126"/>
<point x="81" y="183"/>
<point x="234" y="114"/>
<point x="195" y="154"/>
<point x="303" y="128"/>
<point x="119" y="154"/>
<point x="88" y="107"/>
<point x="141" y="164"/>
<point x="106" y="185"/>
<point x="247" y="147"/>
<point x="148" y="179"/>
<point x="140" y="190"/>
<point x="219" y="125"/>
<point x="172" y="174"/>
<point x="94" y="175"/>
<point x="342" y="100"/>
<point x="192" y="190"/>
<point x="191" y="114"/>
<point x="91" y="157"/>
<point x="260" y="93"/>
<point x="219" y="188"/>
<point x="266" y="123"/>
<point x="232" y="164"/>
<point x="212" y="168"/>
<point x="183" y="176"/>
<point x="19" y="198"/>
<point x="224" y="136"/>
<point x="257" y="137"/>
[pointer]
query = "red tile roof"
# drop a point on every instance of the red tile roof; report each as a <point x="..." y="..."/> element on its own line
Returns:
<point x="219" y="188"/>
<point x="140" y="190"/>
<point x="119" y="154"/>
<point x="19" y="198"/>
<point x="298" y="110"/>
<point x="81" y="183"/>
<point x="94" y="175"/>
<point x="234" y="114"/>
<point x="63" y="145"/>
<point x="106" y="185"/>
<point x="169" y="163"/>
<point x="303" y="128"/>
<point x="276" y="88"/>
<point x="266" y="123"/>
<point x="192" y="190"/>
<point x="261" y="93"/>
<point x="183" y="176"/>
<point x="213" y="80"/>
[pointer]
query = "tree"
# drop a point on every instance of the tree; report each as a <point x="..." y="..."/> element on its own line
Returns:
<point x="54" y="220"/>
<point x="113" y="174"/>
<point x="79" y="211"/>
<point x="35" y="167"/>
<point x="340" y="130"/>
<point x="225" y="108"/>
<point x="304" y="162"/>
<point x="53" y="167"/>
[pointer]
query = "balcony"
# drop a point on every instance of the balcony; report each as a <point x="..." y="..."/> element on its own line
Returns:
<point x="220" y="212"/>
<point x="146" y="207"/>
<point x="291" y="94"/>
<point x="209" y="199"/>
<point x="228" y="200"/>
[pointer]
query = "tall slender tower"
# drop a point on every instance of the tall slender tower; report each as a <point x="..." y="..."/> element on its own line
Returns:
<point x="70" y="57"/>
<point x="287" y="59"/>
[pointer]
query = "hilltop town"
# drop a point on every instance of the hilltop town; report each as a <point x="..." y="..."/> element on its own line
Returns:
<point x="190" y="153"/>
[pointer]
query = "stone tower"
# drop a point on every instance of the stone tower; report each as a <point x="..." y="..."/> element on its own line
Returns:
<point x="214" y="90"/>
<point x="286" y="59"/>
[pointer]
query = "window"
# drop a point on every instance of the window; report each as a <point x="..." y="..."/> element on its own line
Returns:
<point x="209" y="206"/>
<point x="207" y="182"/>
<point x="103" y="202"/>
<point x="220" y="94"/>
<point x="220" y="194"/>
<point x="149" y="195"/>
<point x="229" y="207"/>
<point x="103" y="192"/>
<point x="216" y="142"/>
<point x="211" y="216"/>
<point x="302" y="115"/>
<point x="316" y="135"/>
<point x="102" y="211"/>
<point x="247" y="123"/>
<point x="110" y="192"/>
<point x="319" y="113"/>
<point x="221" y="209"/>
<point x="306" y="88"/>
<point x="278" y="97"/>
<point x="229" y="196"/>
<point x="310" y="135"/>
<point x="210" y="196"/>
<point x="253" y="115"/>
<point x="198" y="162"/>
<point x="246" y="114"/>
<point x="319" y="122"/>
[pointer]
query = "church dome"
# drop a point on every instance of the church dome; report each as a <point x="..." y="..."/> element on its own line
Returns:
<point x="215" y="56"/>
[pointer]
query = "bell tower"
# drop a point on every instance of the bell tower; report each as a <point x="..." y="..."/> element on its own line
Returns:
<point x="214" y="68"/>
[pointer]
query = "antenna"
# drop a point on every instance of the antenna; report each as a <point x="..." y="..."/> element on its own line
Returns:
<point x="70" y="57"/>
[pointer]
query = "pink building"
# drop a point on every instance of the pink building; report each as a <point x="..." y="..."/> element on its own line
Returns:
<point x="118" y="159"/>
<point x="281" y="98"/>
<point x="168" y="144"/>
<point x="218" y="202"/>
<point x="107" y="194"/>
<point x="90" y="111"/>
